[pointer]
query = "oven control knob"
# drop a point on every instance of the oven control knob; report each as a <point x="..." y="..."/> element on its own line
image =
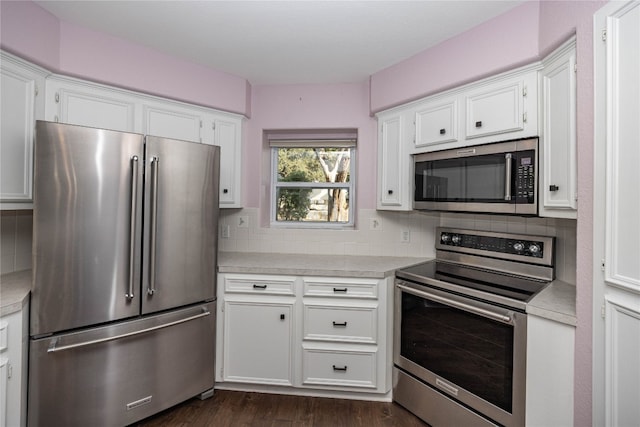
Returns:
<point x="456" y="238"/>
<point x="534" y="249"/>
<point x="518" y="246"/>
<point x="445" y="238"/>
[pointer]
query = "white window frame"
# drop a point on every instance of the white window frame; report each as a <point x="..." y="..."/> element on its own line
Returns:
<point x="350" y="186"/>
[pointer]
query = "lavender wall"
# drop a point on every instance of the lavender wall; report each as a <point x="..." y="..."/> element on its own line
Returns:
<point x="30" y="32"/>
<point x="505" y="42"/>
<point x="304" y="107"/>
<point x="34" y="34"/>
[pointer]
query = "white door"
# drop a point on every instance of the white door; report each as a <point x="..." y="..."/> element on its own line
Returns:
<point x="616" y="363"/>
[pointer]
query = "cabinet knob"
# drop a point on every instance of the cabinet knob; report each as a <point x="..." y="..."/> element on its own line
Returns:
<point x="553" y="188"/>
<point x="479" y="124"/>
<point x="225" y="191"/>
<point x="282" y="317"/>
<point x="390" y="191"/>
<point x="443" y="131"/>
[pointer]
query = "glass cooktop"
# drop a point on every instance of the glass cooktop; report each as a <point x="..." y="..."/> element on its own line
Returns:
<point x="473" y="281"/>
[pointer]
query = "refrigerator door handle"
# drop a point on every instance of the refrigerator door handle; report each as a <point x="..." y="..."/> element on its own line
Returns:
<point x="54" y="342"/>
<point x="152" y="227"/>
<point x="132" y="238"/>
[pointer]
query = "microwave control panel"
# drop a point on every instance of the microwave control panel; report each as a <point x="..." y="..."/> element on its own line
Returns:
<point x="525" y="177"/>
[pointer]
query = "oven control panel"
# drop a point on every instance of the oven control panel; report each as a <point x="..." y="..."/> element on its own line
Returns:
<point x="504" y="245"/>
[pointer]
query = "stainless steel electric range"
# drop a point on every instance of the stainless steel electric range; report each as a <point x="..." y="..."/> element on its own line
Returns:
<point x="460" y="327"/>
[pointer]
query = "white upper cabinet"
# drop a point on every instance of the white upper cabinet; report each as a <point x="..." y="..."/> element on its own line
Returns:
<point x="437" y="122"/>
<point x="22" y="99"/>
<point x="558" y="133"/>
<point x="172" y="121"/>
<point x="395" y="136"/>
<point x="495" y="109"/>
<point x="227" y="131"/>
<point x="79" y="102"/>
<point x="82" y="103"/>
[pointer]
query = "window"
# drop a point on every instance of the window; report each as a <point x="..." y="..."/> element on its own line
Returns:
<point x="312" y="182"/>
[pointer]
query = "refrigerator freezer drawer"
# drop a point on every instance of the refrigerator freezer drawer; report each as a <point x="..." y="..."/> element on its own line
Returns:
<point x="121" y="373"/>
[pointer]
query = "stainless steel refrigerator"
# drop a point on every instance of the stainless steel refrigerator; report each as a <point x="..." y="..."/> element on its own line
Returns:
<point x="124" y="263"/>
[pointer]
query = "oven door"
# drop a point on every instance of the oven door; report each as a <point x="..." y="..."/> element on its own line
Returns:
<point x="472" y="352"/>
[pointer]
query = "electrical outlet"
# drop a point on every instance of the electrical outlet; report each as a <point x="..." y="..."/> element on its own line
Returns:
<point x="225" y="231"/>
<point x="375" y="224"/>
<point x="243" y="221"/>
<point x="405" y="236"/>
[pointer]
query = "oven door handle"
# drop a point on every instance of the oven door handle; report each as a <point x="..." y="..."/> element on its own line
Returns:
<point x="457" y="304"/>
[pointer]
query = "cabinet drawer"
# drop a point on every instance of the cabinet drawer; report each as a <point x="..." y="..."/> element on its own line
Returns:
<point x="260" y="285"/>
<point x="348" y="324"/>
<point x="341" y="288"/>
<point x="339" y="368"/>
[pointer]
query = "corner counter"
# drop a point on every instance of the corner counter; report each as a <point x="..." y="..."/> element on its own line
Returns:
<point x="14" y="291"/>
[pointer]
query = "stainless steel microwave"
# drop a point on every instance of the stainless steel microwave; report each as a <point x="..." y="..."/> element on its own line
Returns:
<point x="499" y="178"/>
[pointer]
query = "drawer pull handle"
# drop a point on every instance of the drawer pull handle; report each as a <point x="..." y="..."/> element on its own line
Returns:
<point x="343" y="290"/>
<point x="340" y="324"/>
<point x="340" y="369"/>
<point x="259" y="286"/>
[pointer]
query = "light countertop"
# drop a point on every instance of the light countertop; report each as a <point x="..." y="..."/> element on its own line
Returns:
<point x="555" y="302"/>
<point x="374" y="267"/>
<point x="14" y="291"/>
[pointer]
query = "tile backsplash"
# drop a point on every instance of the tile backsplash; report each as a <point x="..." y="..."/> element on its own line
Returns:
<point x="384" y="233"/>
<point x="379" y="233"/>
<point x="16" y="228"/>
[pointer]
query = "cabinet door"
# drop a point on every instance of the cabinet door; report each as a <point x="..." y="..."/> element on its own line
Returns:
<point x="258" y="338"/>
<point x="495" y="109"/>
<point x="558" y="137"/>
<point x="437" y="122"/>
<point x="227" y="134"/>
<point x="394" y="162"/>
<point x="21" y="96"/>
<point x="97" y="106"/>
<point x="172" y="121"/>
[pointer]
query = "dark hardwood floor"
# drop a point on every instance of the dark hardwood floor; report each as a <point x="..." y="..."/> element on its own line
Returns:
<point x="234" y="408"/>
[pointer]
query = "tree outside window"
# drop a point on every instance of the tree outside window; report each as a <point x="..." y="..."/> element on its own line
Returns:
<point x="313" y="184"/>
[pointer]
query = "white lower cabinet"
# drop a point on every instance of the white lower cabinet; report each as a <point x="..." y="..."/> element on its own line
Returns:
<point x="257" y="315"/>
<point x="307" y="333"/>
<point x="258" y="341"/>
<point x="550" y="360"/>
<point x="13" y="368"/>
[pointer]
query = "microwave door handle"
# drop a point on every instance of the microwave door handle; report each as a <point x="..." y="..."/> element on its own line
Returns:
<point x="508" y="175"/>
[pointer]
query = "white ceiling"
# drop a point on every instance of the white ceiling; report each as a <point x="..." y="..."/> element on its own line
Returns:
<point x="284" y="42"/>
